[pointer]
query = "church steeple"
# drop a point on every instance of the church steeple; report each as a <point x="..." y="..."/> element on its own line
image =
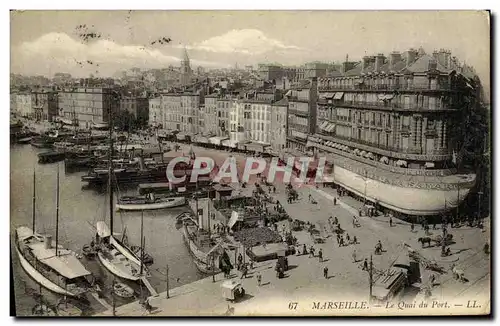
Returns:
<point x="186" y="57"/>
<point x="186" y="72"/>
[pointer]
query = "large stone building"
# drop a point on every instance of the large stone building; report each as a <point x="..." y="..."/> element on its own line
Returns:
<point x="223" y="109"/>
<point x="155" y="112"/>
<point x="210" y="114"/>
<point x="22" y="104"/>
<point x="279" y="117"/>
<point x="385" y="125"/>
<point x="45" y="105"/>
<point x="137" y="106"/>
<point x="302" y="101"/>
<point x="87" y="106"/>
<point x="171" y="111"/>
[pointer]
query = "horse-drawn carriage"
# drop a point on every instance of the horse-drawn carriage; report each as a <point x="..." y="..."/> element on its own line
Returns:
<point x="439" y="240"/>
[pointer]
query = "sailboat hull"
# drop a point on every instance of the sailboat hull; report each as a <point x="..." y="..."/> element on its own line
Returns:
<point x="114" y="269"/>
<point x="39" y="278"/>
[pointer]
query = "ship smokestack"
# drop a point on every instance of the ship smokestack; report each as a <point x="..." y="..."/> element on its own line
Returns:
<point x="48" y="241"/>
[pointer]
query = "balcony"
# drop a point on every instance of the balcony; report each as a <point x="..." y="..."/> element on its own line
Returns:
<point x="386" y="87"/>
<point x="299" y="113"/>
<point x="384" y="106"/>
<point x="390" y="151"/>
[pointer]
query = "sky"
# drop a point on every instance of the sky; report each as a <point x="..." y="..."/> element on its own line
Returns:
<point x="46" y="42"/>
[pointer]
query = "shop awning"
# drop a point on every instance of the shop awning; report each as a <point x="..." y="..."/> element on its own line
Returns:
<point x="330" y="127"/>
<point x="229" y="143"/>
<point x="363" y="153"/>
<point x="369" y="155"/>
<point x="200" y="139"/>
<point x="384" y="159"/>
<point x="338" y="95"/>
<point x="181" y="136"/>
<point x="429" y="164"/>
<point x="346" y="148"/>
<point x="217" y="140"/>
<point x="242" y="145"/>
<point x="356" y="151"/>
<point x="257" y="147"/>
<point x="323" y="125"/>
<point x="326" y="95"/>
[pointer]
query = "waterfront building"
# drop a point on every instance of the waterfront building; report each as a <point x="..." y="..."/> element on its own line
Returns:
<point x="301" y="119"/>
<point x="191" y="103"/>
<point x="278" y="126"/>
<point x="171" y="111"/>
<point x="155" y="112"/>
<point x="87" y="106"/>
<point x="23" y="104"/>
<point x="44" y="105"/>
<point x="223" y="109"/>
<point x="210" y="115"/>
<point x="385" y="125"/>
<point x="137" y="106"/>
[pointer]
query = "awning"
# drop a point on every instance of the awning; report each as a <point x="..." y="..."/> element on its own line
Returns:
<point x="200" y="139"/>
<point x="242" y="145"/>
<point x="384" y="159"/>
<point x="330" y="127"/>
<point x="369" y="155"/>
<point x="346" y="148"/>
<point x="429" y="164"/>
<point x="326" y="95"/>
<point x="363" y="153"/>
<point x="338" y="95"/>
<point x="235" y="217"/>
<point x="217" y="140"/>
<point x="181" y="136"/>
<point x="323" y="125"/>
<point x="256" y="147"/>
<point x="229" y="143"/>
<point x="357" y="151"/>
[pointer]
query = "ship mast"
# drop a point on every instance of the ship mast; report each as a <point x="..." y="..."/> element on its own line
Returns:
<point x="57" y="213"/>
<point x="34" y="201"/>
<point x="110" y="171"/>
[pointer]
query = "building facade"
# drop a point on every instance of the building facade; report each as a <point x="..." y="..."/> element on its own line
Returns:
<point x="87" y="106"/>
<point x="171" y="111"/>
<point x="278" y="128"/>
<point x="223" y="109"/>
<point x="155" y="112"/>
<point x="23" y="104"/>
<point x="137" y="106"/>
<point x="210" y="115"/>
<point x="191" y="104"/>
<point x="385" y="126"/>
<point x="45" y="105"/>
<point x="302" y="102"/>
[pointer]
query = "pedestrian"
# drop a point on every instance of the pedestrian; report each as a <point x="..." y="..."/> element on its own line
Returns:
<point x="311" y="251"/>
<point x="354" y="258"/>
<point x="304" y="249"/>
<point x="390" y="221"/>
<point x="434" y="226"/>
<point x="310" y="198"/>
<point x="320" y="255"/>
<point x="338" y="238"/>
<point x="341" y="244"/>
<point x="433" y="280"/>
<point x="274" y="189"/>
<point x="365" y="265"/>
<point x="347" y="237"/>
<point x="325" y="272"/>
<point x="355" y="240"/>
<point x="334" y="200"/>
<point x="244" y="271"/>
<point x="336" y="220"/>
<point x="412" y="227"/>
<point x="259" y="279"/>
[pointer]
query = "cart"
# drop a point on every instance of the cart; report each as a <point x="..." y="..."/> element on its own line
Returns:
<point x="232" y="290"/>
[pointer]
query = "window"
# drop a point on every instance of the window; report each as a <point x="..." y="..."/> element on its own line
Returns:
<point x="404" y="142"/>
<point x="406" y="122"/>
<point x="406" y="102"/>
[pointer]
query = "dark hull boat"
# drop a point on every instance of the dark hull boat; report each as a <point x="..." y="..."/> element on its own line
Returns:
<point x="50" y="157"/>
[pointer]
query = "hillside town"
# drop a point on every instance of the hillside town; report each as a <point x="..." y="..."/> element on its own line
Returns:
<point x="403" y="216"/>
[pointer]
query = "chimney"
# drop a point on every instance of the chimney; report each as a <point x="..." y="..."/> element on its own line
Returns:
<point x="444" y="58"/>
<point x="394" y="58"/>
<point x="379" y="61"/>
<point x="432" y="64"/>
<point x="48" y="242"/>
<point x="410" y="56"/>
<point x="365" y="63"/>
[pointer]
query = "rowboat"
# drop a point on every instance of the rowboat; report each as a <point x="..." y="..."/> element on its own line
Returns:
<point x="139" y="203"/>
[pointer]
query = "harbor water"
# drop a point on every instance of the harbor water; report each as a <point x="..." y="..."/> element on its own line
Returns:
<point x="79" y="210"/>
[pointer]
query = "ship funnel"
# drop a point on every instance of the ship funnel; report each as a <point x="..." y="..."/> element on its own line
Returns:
<point x="48" y="241"/>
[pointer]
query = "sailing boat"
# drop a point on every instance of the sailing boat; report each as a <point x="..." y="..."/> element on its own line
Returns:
<point x="53" y="267"/>
<point x="113" y="254"/>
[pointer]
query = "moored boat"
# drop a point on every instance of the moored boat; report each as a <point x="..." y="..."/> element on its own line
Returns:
<point x="50" y="157"/>
<point x="138" y="203"/>
<point x="25" y="140"/>
<point x="57" y="270"/>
